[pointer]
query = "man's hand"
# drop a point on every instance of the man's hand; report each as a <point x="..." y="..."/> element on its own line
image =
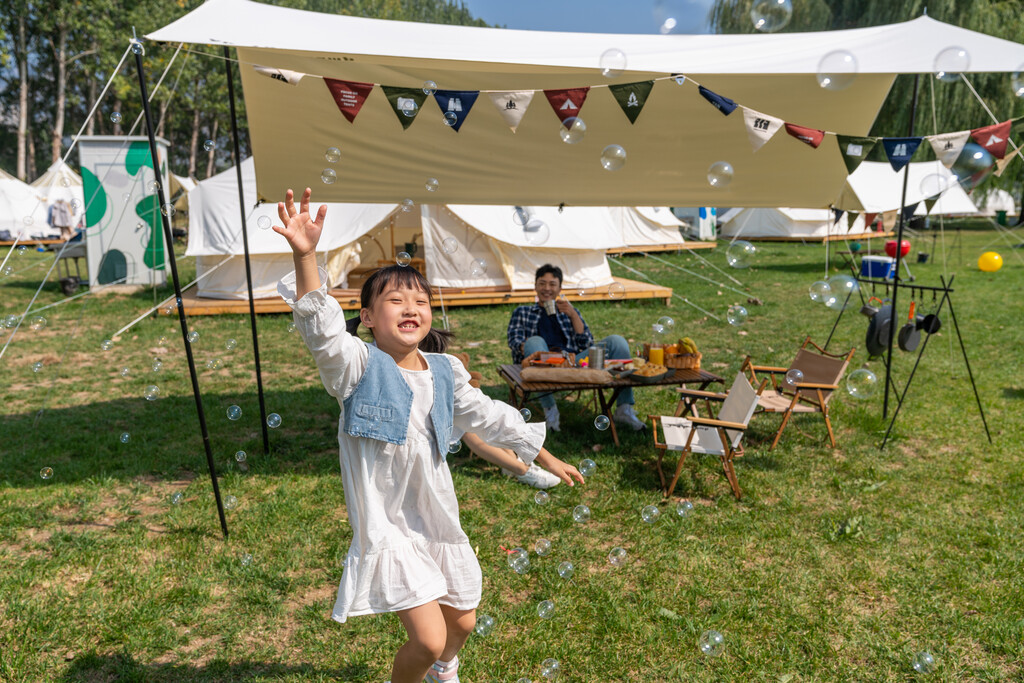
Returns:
<point x="301" y="231"/>
<point x="563" y="305"/>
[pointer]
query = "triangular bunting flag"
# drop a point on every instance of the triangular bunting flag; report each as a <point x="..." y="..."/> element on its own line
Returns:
<point x="349" y="96"/>
<point x="457" y="102"/>
<point x="851" y="218"/>
<point x="1001" y="164"/>
<point x="722" y="104"/>
<point x="908" y="211"/>
<point x="836" y="215"/>
<point x="567" y="103"/>
<point x="811" y="136"/>
<point x="993" y="138"/>
<point x="947" y="146"/>
<point x="632" y="97"/>
<point x="900" y="150"/>
<point x="405" y="102"/>
<point x="929" y="203"/>
<point x="512" y="105"/>
<point x="283" y="75"/>
<point x="855" y="150"/>
<point x="760" y="127"/>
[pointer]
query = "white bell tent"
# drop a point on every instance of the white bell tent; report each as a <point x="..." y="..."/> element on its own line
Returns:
<point x="875" y="188"/>
<point x="22" y="213"/>
<point x="61" y="183"/>
<point x="998" y="200"/>
<point x="810" y="225"/>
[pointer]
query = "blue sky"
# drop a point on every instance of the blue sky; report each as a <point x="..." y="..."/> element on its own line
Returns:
<point x="593" y="16"/>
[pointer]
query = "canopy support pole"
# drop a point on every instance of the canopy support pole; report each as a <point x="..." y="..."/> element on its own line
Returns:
<point x="169" y="239"/>
<point x="245" y="247"/>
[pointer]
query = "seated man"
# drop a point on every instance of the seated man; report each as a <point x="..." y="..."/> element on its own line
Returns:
<point x="531" y="329"/>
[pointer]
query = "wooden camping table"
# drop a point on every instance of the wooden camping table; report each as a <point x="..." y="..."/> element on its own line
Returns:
<point x="519" y="391"/>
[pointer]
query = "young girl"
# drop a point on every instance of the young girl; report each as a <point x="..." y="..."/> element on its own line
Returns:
<point x="399" y="407"/>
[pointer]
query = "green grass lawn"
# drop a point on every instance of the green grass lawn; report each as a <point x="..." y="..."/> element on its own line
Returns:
<point x="837" y="564"/>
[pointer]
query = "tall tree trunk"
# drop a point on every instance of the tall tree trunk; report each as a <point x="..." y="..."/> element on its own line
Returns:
<point x="117" y="124"/>
<point x="211" y="156"/>
<point x="90" y="126"/>
<point x="60" y="51"/>
<point x="193" y="148"/>
<point x="31" y="165"/>
<point x="22" y="51"/>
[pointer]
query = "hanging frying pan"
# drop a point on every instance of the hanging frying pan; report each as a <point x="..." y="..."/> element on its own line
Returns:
<point x="929" y="323"/>
<point x="879" y="331"/>
<point x="910" y="336"/>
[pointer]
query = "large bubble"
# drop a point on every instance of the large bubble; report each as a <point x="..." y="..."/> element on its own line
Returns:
<point x="837" y="70"/>
<point x="572" y="130"/>
<point x="862" y="383"/>
<point x="770" y="16"/>
<point x="973" y="166"/>
<point x="613" y="157"/>
<point x="613" y="62"/>
<point x="740" y="254"/>
<point x="720" y="174"/>
<point x="950" y="63"/>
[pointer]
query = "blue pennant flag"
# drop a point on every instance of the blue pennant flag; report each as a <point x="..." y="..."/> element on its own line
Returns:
<point x="900" y="150"/>
<point x="455" y="105"/>
<point x="908" y="211"/>
<point x="722" y="104"/>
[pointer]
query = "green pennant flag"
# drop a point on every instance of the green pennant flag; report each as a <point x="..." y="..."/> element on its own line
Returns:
<point x="632" y="97"/>
<point x="854" y="150"/>
<point x="406" y="102"/>
<point x="929" y="203"/>
<point x="851" y="218"/>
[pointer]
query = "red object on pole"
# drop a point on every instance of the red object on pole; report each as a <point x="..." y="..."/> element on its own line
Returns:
<point x="890" y="248"/>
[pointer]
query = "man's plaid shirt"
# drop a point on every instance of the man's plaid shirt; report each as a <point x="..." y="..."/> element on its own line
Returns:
<point x="523" y="325"/>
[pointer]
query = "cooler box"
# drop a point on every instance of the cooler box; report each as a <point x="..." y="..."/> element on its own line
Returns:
<point x="878" y="267"/>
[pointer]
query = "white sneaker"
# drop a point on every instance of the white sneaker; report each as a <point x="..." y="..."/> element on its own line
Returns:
<point x="536" y="476"/>
<point x="551" y="417"/>
<point x="624" y="413"/>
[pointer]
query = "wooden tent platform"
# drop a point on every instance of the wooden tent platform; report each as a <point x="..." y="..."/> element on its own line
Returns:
<point x="685" y="246"/>
<point x="31" y="243"/>
<point x="478" y="296"/>
<point x="816" y="240"/>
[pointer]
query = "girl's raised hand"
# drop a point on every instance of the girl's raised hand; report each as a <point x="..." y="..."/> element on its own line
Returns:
<point x="300" y="229"/>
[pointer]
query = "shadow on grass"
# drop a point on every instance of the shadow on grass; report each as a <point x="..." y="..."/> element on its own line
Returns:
<point x="1013" y="392"/>
<point x="90" y="668"/>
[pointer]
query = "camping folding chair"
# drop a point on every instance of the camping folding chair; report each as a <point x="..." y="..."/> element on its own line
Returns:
<point x="719" y="436"/>
<point x="822" y="373"/>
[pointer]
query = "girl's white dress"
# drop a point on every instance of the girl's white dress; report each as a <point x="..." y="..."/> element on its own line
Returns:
<point x="408" y="547"/>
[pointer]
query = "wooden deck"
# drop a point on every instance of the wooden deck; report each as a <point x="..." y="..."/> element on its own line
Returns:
<point x="651" y="248"/>
<point x="479" y="296"/>
<point x="31" y="243"/>
<point x="815" y="240"/>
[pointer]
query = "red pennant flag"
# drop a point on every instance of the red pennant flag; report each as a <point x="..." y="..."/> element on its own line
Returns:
<point x="993" y="138"/>
<point x="567" y="103"/>
<point x="349" y="95"/>
<point x="811" y="136"/>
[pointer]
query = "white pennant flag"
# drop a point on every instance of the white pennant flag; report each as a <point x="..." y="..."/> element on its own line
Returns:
<point x="1001" y="164"/>
<point x="284" y="75"/>
<point x="760" y="127"/>
<point x="512" y="105"/>
<point x="948" y="146"/>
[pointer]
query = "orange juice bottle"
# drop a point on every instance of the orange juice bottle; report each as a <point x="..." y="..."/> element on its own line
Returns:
<point x="657" y="355"/>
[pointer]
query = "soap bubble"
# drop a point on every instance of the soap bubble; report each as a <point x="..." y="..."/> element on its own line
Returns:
<point x="819" y="291"/>
<point x="525" y="412"/>
<point x="455" y="446"/>
<point x="616" y="290"/>
<point x="923" y="663"/>
<point x="572" y="130"/>
<point x="213" y="364"/>
<point x="158" y="365"/>
<point x="736" y="315"/>
<point x="550" y="668"/>
<point x="740" y="254"/>
<point x="520" y="216"/>
<point x="667" y="14"/>
<point x="617" y="557"/>
<point x="613" y="62"/>
<point x="658" y="329"/>
<point x="484" y="625"/>
<point x="935" y="184"/>
<point x="75" y="204"/>
<point x="432" y="184"/>
<point x="177" y="498"/>
<point x="1017" y="81"/>
<point x="125" y="437"/>
<point x="666" y="323"/>
<point x="973" y="166"/>
<point x="546" y="609"/>
<point x="234" y="412"/>
<point x="38" y="323"/>
<point x="332" y="155"/>
<point x="167" y="209"/>
<point x="246" y="559"/>
<point x="842" y="288"/>
<point x="650" y="514"/>
<point x="37" y="366"/>
<point x="478" y="268"/>
<point x="409" y="107"/>
<point x="950" y="63"/>
<point x="46" y="472"/>
<point x="230" y="344"/>
<point x="587" y="467"/>
<point x="152" y="392"/>
<point x="28" y="220"/>
<point x="837" y="70"/>
<point x="517" y="555"/>
<point x="403" y="258"/>
<point x="137" y="48"/>
<point x="328" y="176"/>
<point x="711" y="643"/>
<point x="794" y="377"/>
<point x="264" y="222"/>
<point x="154" y="187"/>
<point x="124" y="372"/>
<point x="862" y="383"/>
<point x="451" y="118"/>
<point x="8" y="270"/>
<point x="22" y="249"/>
<point x="536" y="232"/>
<point x="684" y="508"/>
<point x="208" y="145"/>
<point x="11" y="321"/>
<point x="720" y="174"/>
<point x="601" y="422"/>
<point x="273" y="420"/>
<point x="193" y="336"/>
<point x="407" y="205"/>
<point x="542" y="547"/>
<point x="106" y="344"/>
<point x="565" y="570"/>
<point x="770" y="16"/>
<point x="450" y="245"/>
<point x="240" y="456"/>
<point x="541" y="497"/>
<point x="581" y="514"/>
<point x="523" y="679"/>
<point x="230" y="502"/>
<point x="613" y="157"/>
<point x="115" y="117"/>
<point x="429" y="87"/>
<point x="585" y="286"/>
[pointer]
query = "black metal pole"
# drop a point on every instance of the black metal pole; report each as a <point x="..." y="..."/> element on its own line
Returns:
<point x="838" y="318"/>
<point x="245" y="246"/>
<point x="169" y="238"/>
<point x="963" y="350"/>
<point x="899" y="253"/>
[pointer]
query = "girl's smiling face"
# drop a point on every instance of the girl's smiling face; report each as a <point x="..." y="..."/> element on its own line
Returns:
<point x="399" y="318"/>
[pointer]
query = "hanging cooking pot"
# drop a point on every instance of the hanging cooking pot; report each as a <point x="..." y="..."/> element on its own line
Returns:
<point x="879" y="331"/>
<point x="910" y="336"/>
<point x="929" y="323"/>
<point x="869" y="310"/>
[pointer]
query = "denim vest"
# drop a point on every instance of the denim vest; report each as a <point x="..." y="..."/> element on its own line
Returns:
<point x="380" y="405"/>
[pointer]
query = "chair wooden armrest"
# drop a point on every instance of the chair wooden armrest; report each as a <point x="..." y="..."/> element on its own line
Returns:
<point x="769" y="368"/>
<point x="714" y="395"/>
<point x="712" y="422"/>
<point x="815" y="385"/>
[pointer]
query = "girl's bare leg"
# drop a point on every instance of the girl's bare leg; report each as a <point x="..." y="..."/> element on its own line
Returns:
<point x="459" y="624"/>
<point x="427" y="628"/>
